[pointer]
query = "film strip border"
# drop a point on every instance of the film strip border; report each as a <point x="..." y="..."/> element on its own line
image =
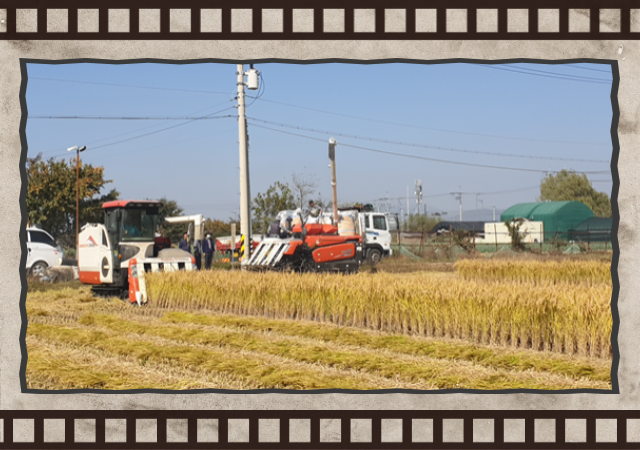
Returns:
<point x="332" y="20"/>
<point x="320" y="429"/>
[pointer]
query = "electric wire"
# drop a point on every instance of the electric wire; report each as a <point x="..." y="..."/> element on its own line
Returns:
<point x="195" y="91"/>
<point x="465" y="193"/>
<point x="123" y="117"/>
<point x="544" y="74"/>
<point x="434" y="147"/>
<point x="577" y="77"/>
<point x="587" y="68"/>
<point x="135" y="150"/>
<point x="486" y="166"/>
<point x="431" y="128"/>
<point x="154" y="132"/>
<point x="138" y="129"/>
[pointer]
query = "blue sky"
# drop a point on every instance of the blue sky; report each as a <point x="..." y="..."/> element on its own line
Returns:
<point x="535" y="111"/>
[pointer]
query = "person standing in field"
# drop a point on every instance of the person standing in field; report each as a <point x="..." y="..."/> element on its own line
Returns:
<point x="208" y="248"/>
<point x="184" y="243"/>
<point x="197" y="253"/>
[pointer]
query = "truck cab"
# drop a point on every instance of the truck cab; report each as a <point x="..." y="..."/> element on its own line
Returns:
<point x="376" y="235"/>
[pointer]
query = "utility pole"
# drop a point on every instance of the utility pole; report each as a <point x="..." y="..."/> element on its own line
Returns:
<point x="408" y="207"/>
<point x="332" y="158"/>
<point x="494" y="214"/>
<point x="245" y="194"/>
<point x="418" y="192"/>
<point x="458" y="196"/>
<point x="77" y="150"/>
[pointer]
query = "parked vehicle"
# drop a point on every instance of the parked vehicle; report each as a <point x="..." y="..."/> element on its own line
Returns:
<point x="375" y="231"/>
<point x="224" y="244"/>
<point x="42" y="251"/>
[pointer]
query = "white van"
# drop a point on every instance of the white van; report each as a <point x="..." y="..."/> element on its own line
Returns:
<point x="42" y="251"/>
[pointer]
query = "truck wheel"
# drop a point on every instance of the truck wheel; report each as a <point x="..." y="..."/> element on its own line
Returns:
<point x="374" y="256"/>
<point x="38" y="268"/>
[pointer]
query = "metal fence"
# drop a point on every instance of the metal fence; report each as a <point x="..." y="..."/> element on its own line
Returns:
<point x="425" y="244"/>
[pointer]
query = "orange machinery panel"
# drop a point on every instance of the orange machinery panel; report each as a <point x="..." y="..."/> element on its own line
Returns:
<point x="314" y="229"/>
<point x="89" y="277"/>
<point x="292" y="247"/>
<point x="134" y="283"/>
<point x="334" y="253"/>
<point x="323" y="240"/>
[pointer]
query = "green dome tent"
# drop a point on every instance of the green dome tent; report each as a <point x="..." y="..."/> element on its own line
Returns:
<point x="559" y="218"/>
<point x="595" y="229"/>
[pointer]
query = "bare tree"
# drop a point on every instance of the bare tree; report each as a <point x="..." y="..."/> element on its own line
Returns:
<point x="303" y="186"/>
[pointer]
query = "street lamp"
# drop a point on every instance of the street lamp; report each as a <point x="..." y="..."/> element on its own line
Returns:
<point x="77" y="150"/>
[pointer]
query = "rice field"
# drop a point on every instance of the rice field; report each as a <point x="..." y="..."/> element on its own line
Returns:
<point x="487" y="325"/>
<point x="590" y="272"/>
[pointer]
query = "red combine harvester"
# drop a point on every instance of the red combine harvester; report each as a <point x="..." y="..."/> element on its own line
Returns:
<point x="313" y="248"/>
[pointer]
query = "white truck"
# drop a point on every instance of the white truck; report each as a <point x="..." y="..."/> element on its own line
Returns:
<point x="375" y="231"/>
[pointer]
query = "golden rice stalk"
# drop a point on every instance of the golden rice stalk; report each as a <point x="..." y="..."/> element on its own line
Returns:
<point x="536" y="272"/>
<point x="576" y="317"/>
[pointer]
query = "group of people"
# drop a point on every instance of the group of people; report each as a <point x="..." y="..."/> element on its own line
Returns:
<point x="283" y="225"/>
<point x="208" y="247"/>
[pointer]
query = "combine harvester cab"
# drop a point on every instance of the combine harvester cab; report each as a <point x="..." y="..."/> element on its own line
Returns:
<point x="314" y="248"/>
<point x="113" y="257"/>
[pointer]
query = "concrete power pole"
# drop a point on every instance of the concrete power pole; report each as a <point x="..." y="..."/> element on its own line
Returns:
<point x="332" y="158"/>
<point x="458" y="196"/>
<point x="245" y="195"/>
<point x="418" y="192"/>
<point x="408" y="207"/>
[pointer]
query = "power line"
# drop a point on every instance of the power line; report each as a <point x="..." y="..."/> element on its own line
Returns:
<point x="122" y="117"/>
<point x="131" y="86"/>
<point x="152" y="132"/>
<point x="431" y="128"/>
<point x="588" y="68"/>
<point x="171" y="143"/>
<point x="544" y="74"/>
<point x="511" y="155"/>
<point x="524" y="189"/>
<point x="577" y="77"/>
<point x="140" y="129"/>
<point x="486" y="166"/>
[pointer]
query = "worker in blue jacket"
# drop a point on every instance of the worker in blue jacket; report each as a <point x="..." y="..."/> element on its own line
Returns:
<point x="184" y="244"/>
<point x="208" y="248"/>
